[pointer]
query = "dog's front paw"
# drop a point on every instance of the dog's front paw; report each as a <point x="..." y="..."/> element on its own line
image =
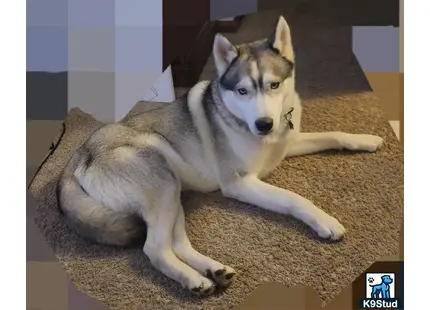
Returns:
<point x="328" y="227"/>
<point x="368" y="143"/>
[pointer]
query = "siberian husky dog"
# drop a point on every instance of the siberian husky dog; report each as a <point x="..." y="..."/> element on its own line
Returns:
<point x="226" y="134"/>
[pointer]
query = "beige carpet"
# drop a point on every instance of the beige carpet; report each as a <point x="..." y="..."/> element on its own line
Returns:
<point x="364" y="191"/>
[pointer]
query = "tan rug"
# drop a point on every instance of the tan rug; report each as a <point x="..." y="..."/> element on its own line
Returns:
<point x="364" y="191"/>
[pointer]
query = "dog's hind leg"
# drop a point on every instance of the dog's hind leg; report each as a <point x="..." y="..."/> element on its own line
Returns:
<point x="374" y="292"/>
<point x="160" y="220"/>
<point x="308" y="143"/>
<point x="182" y="247"/>
<point x="153" y="190"/>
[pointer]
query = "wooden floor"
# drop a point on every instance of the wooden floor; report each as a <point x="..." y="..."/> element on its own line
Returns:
<point x="387" y="86"/>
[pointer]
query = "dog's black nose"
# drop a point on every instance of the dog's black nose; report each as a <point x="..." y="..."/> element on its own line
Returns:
<point x="264" y="125"/>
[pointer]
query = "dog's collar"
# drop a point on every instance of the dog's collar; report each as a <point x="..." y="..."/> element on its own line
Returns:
<point x="288" y="117"/>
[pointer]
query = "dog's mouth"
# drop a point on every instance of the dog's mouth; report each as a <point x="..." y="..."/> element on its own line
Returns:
<point x="265" y="133"/>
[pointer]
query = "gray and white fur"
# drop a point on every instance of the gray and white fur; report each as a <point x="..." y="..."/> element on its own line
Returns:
<point x="226" y="134"/>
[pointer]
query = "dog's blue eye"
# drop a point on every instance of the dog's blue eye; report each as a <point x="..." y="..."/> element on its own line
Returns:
<point x="242" y="91"/>
<point x="274" y="85"/>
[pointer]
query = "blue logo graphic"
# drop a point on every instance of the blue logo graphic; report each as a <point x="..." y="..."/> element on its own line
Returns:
<point x="381" y="292"/>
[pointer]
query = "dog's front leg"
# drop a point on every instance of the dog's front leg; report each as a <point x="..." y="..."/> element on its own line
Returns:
<point x="251" y="190"/>
<point x="386" y="292"/>
<point x="308" y="143"/>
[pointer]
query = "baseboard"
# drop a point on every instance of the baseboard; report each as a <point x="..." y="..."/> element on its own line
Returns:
<point x="228" y="26"/>
<point x="186" y="70"/>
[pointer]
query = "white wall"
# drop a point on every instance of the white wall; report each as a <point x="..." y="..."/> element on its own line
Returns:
<point x="46" y="35"/>
<point x="376" y="48"/>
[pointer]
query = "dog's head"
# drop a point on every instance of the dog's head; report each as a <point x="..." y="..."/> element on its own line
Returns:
<point x="387" y="279"/>
<point x="256" y="78"/>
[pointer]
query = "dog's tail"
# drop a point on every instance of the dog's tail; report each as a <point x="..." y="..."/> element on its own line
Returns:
<point x="89" y="218"/>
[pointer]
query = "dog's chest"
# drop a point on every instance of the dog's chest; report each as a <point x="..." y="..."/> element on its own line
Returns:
<point x="256" y="157"/>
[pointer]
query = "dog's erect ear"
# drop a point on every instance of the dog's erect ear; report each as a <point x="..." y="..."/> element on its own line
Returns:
<point x="224" y="53"/>
<point x="281" y="39"/>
